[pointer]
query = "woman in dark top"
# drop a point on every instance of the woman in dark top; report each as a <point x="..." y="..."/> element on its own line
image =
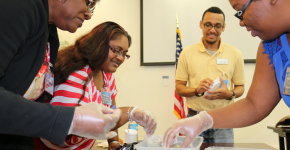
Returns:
<point x="29" y="36"/>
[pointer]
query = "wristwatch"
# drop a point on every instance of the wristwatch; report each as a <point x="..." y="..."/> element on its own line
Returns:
<point x="196" y="93"/>
<point x="233" y="96"/>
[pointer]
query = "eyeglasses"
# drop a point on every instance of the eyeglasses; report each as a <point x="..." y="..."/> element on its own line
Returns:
<point x="217" y="27"/>
<point x="118" y="53"/>
<point x="91" y="6"/>
<point x="240" y="13"/>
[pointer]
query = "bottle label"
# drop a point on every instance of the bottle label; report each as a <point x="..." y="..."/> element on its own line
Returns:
<point x="133" y="126"/>
<point x="227" y="82"/>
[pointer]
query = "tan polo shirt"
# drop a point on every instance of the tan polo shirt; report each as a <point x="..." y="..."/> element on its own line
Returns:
<point x="196" y="64"/>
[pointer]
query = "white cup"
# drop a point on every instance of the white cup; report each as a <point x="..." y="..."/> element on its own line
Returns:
<point x="130" y="135"/>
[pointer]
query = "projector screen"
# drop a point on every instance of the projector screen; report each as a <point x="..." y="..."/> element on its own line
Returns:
<point x="158" y="29"/>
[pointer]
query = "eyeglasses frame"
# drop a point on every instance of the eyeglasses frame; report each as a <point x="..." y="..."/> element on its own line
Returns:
<point x="118" y="53"/>
<point x="240" y="13"/>
<point x="89" y="8"/>
<point x="213" y="27"/>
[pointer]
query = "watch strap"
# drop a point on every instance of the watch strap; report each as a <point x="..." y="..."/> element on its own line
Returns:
<point x="233" y="96"/>
<point x="198" y="95"/>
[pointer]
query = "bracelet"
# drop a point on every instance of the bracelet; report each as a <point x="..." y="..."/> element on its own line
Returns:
<point x="198" y="95"/>
<point x="131" y="113"/>
<point x="115" y="142"/>
<point x="128" y="112"/>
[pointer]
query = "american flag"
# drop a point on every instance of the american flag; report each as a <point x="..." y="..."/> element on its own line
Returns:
<point x="179" y="104"/>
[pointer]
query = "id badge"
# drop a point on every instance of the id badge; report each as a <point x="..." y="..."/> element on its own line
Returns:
<point x="49" y="82"/>
<point x="286" y="88"/>
<point x="106" y="98"/>
<point x="226" y="82"/>
<point x="222" y="61"/>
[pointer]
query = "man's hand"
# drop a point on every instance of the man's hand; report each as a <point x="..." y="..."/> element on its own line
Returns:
<point x="204" y="85"/>
<point x="221" y="93"/>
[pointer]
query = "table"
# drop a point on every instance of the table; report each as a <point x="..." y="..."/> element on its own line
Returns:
<point x="283" y="132"/>
<point x="243" y="145"/>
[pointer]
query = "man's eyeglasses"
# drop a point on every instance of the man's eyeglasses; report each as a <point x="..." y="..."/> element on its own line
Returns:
<point x="217" y="27"/>
<point x="91" y="6"/>
<point x="240" y="13"/>
<point x="118" y="53"/>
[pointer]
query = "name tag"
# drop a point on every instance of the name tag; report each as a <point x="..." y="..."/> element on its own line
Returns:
<point x="222" y="61"/>
<point x="286" y="89"/>
<point x="49" y="82"/>
<point x="106" y="98"/>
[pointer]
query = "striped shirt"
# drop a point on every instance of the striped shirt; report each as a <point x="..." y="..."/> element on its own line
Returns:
<point x="69" y="93"/>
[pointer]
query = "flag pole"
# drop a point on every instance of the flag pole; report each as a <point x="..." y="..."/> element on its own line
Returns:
<point x="177" y="22"/>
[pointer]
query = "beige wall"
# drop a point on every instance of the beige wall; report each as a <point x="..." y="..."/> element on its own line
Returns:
<point x="143" y="86"/>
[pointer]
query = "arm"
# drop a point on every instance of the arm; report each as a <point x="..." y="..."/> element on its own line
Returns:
<point x="18" y="41"/>
<point x="124" y="117"/>
<point x="239" y="90"/>
<point x="183" y="90"/>
<point x="114" y="141"/>
<point x="261" y="99"/>
<point x="182" y="76"/>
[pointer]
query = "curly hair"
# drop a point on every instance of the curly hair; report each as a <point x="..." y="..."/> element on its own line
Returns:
<point x="90" y="49"/>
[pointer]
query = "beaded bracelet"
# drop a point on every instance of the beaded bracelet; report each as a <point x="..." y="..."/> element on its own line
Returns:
<point x="129" y="115"/>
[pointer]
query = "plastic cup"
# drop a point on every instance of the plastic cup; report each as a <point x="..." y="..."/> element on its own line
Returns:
<point x="130" y="135"/>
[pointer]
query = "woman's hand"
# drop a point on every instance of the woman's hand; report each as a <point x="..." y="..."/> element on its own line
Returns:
<point x="114" y="145"/>
<point x="94" y="121"/>
<point x="191" y="127"/>
<point x="144" y="118"/>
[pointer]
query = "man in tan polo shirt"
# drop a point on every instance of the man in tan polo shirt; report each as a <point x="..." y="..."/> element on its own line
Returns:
<point x="200" y="64"/>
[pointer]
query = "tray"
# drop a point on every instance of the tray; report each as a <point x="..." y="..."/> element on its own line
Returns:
<point x="195" y="145"/>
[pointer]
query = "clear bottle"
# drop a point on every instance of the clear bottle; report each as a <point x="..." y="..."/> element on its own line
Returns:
<point x="133" y="125"/>
<point x="226" y="80"/>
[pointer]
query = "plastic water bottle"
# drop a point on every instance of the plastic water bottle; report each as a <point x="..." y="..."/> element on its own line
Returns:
<point x="134" y="125"/>
<point x="225" y="79"/>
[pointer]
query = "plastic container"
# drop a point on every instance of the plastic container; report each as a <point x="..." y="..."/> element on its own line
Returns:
<point x="195" y="144"/>
<point x="231" y="148"/>
<point x="130" y="135"/>
<point x="216" y="85"/>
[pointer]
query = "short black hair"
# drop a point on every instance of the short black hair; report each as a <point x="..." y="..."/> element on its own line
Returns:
<point x="215" y="10"/>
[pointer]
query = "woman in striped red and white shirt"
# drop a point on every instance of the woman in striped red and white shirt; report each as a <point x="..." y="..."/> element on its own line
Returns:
<point x="84" y="74"/>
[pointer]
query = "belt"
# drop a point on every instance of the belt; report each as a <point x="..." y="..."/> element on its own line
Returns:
<point x="192" y="112"/>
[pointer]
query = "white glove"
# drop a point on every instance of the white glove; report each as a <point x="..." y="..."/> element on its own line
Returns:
<point x="94" y="121"/>
<point x="191" y="127"/>
<point x="144" y="118"/>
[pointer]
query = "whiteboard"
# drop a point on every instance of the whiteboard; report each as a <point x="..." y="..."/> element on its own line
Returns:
<point x="158" y="29"/>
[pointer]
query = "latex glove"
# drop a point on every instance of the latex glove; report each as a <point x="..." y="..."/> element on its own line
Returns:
<point x="191" y="127"/>
<point x="114" y="145"/>
<point x="94" y="121"/>
<point x="144" y="118"/>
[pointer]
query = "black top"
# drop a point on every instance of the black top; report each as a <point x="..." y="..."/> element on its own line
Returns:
<point x="24" y="33"/>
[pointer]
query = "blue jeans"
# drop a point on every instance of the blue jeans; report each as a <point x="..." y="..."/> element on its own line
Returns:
<point x="217" y="135"/>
